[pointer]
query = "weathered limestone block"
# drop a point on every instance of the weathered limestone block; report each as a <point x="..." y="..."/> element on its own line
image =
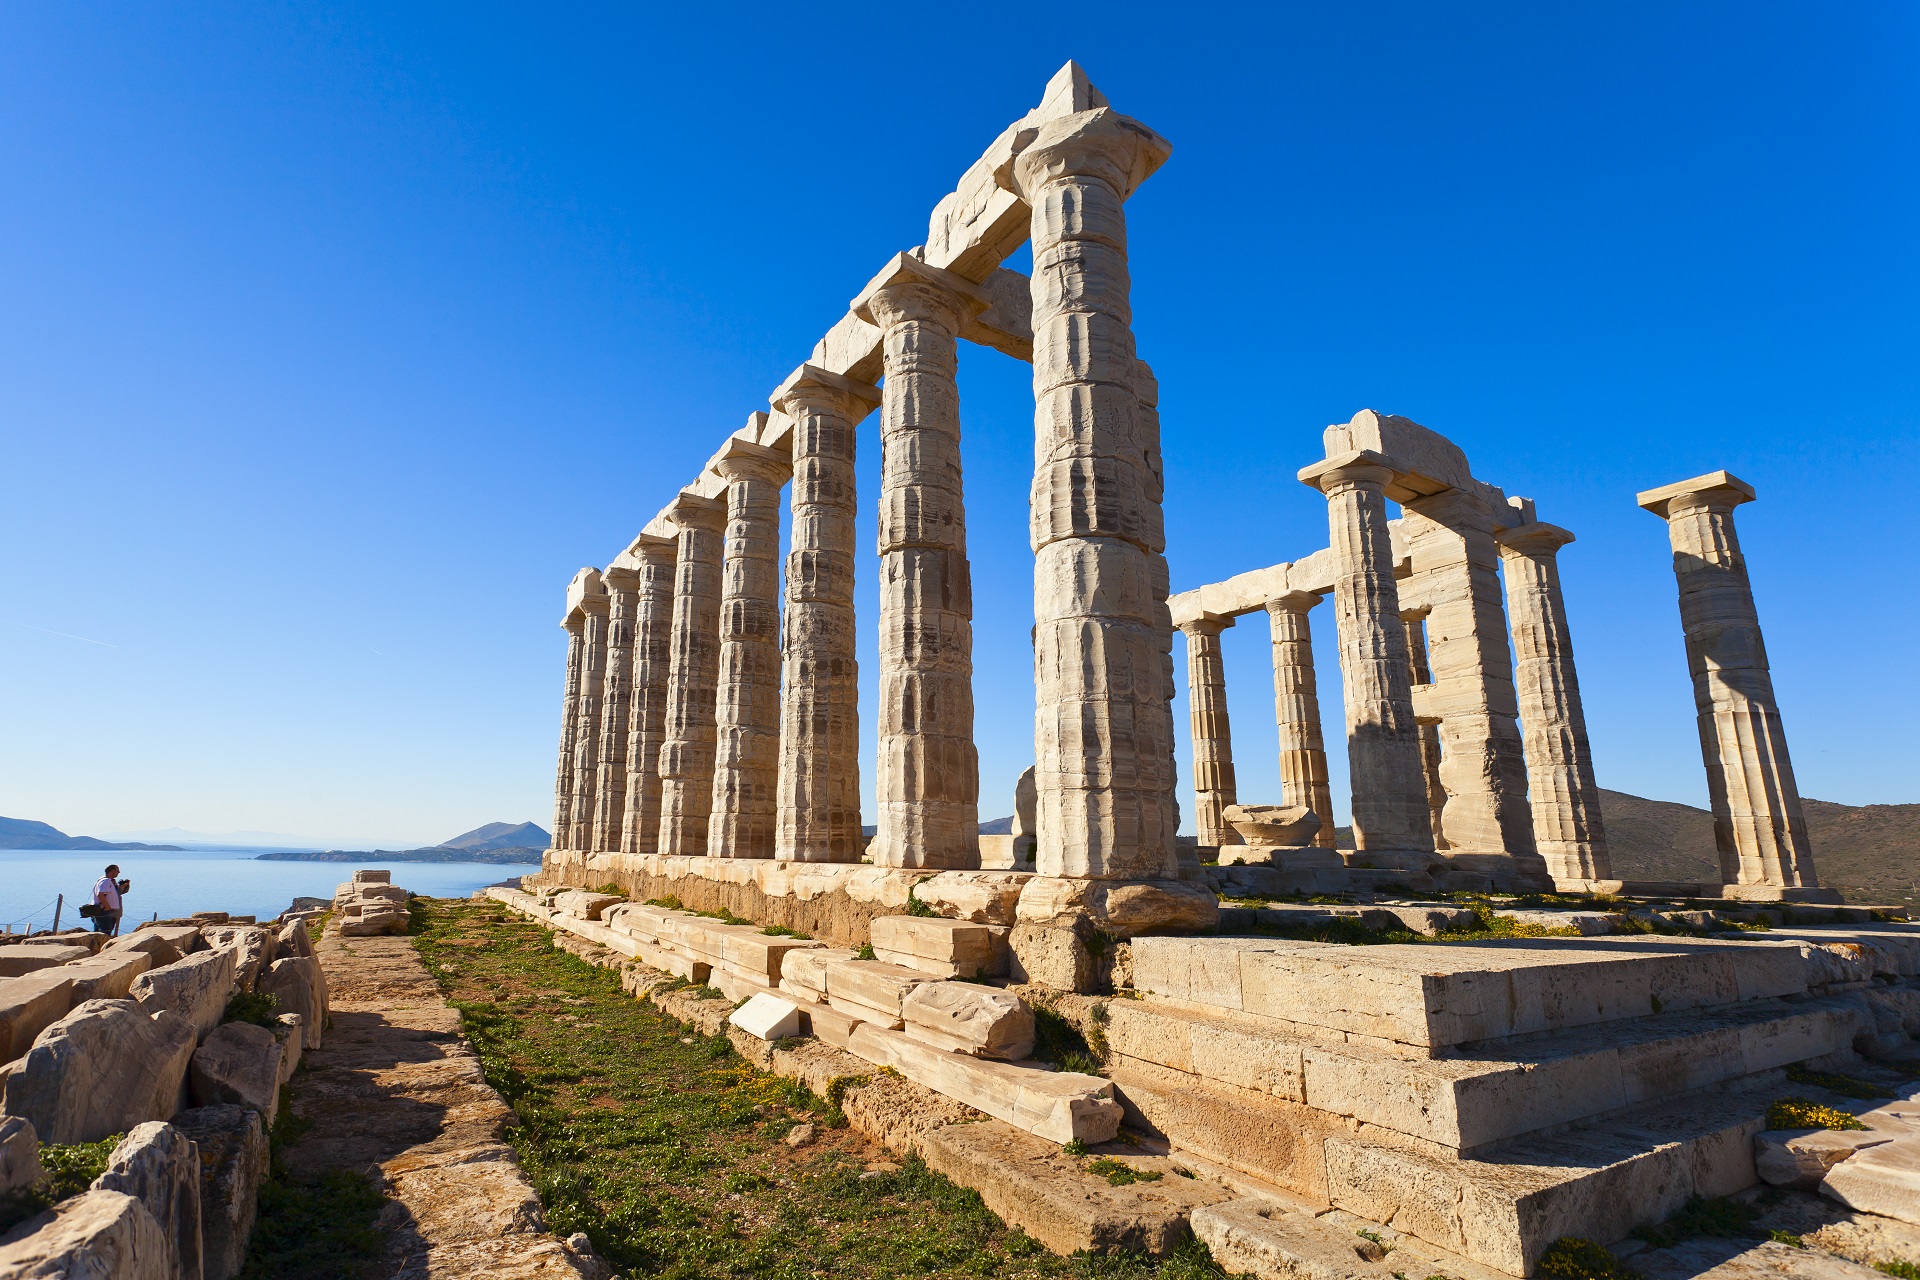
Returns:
<point x="293" y="940"/>
<point x="1052" y="957"/>
<point x="378" y="891"/>
<point x="253" y="950"/>
<point x="386" y="921"/>
<point x="107" y="976"/>
<point x="365" y="876"/>
<point x="768" y="1017"/>
<point x="1122" y="909"/>
<point x="238" y="1063"/>
<point x="102" y="1235"/>
<point x="871" y="990"/>
<point x="294" y="984"/>
<point x="982" y="1021"/>
<point x="687" y="746"/>
<point x="584" y="904"/>
<point x="1059" y="1105"/>
<point x="19" y="1154"/>
<point x="983" y="897"/>
<point x="804" y="973"/>
<point x="655" y="558"/>
<point x="104" y="1068"/>
<point x="196" y="988"/>
<point x="292" y="1035"/>
<point x="29" y="1006"/>
<point x="942" y="948"/>
<point x="159" y="1166"/>
<point x="19" y="960"/>
<point x="1882" y="1179"/>
<point x="1800" y="1158"/>
<point x="166" y="943"/>
<point x="1265" y="1238"/>
<point x="233" y="1166"/>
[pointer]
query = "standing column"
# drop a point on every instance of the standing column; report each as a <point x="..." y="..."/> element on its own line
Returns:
<point x="576" y="625"/>
<point x="586" y="740"/>
<point x="1757" y="821"/>
<point x="927" y="774"/>
<point x="616" y="707"/>
<point x="1213" y="785"/>
<point x="647" y="714"/>
<point x="686" y="752"/>
<point x="818" y="815"/>
<point x="1420" y="673"/>
<point x="1296" y="709"/>
<point x="747" y="751"/>
<point x="1560" y="780"/>
<point x="1103" y="726"/>
<point x="1383" y="742"/>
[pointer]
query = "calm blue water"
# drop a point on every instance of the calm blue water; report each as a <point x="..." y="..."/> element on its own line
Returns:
<point x="230" y="880"/>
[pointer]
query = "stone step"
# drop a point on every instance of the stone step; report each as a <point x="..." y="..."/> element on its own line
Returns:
<point x="1275" y="1241"/>
<point x="1498" y="1090"/>
<point x="1424" y="998"/>
<point x="1061" y="1106"/>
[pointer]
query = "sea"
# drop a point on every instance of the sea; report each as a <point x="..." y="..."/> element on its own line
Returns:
<point x="171" y="885"/>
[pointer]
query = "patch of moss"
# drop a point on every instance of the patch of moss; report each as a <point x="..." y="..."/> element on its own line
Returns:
<point x="1118" y="1173"/>
<point x="251" y="1006"/>
<point x="915" y="907"/>
<point x="1574" y="1258"/>
<point x="1799" y="1113"/>
<point x="781" y="931"/>
<point x="1793" y="1241"/>
<point x="1898" y="1267"/>
<point x="669" y="902"/>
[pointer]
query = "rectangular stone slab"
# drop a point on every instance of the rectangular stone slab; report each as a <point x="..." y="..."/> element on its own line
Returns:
<point x="871" y="989"/>
<point x="28" y="1006"/>
<point x="1057" y="1105"/>
<point x="107" y="976"/>
<point x="943" y="948"/>
<point x="805" y="972"/>
<point x="18" y="960"/>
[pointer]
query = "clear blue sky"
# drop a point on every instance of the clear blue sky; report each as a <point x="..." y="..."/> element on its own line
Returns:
<point x="336" y="338"/>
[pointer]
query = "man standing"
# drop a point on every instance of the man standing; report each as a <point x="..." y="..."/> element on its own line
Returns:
<point x="106" y="898"/>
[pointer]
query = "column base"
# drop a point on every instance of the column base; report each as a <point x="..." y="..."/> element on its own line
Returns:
<point x="1778" y="893"/>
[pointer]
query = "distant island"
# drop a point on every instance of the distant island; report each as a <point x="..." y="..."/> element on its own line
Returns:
<point x="497" y="842"/>
<point x="24" y="833"/>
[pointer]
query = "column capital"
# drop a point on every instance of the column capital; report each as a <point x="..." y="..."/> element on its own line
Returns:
<point x="744" y="460"/>
<point x="690" y="511"/>
<point x="1714" y="491"/>
<point x="652" y="549"/>
<point x="1355" y="469"/>
<point x="619" y="577"/>
<point x="1207" y="624"/>
<point x="1118" y="150"/>
<point x="584" y="585"/>
<point x="1536" y="541"/>
<point x="909" y="289"/>
<point x="811" y="387"/>
<point x="1294" y="602"/>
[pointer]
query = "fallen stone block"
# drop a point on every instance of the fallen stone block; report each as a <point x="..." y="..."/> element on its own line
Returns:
<point x="107" y="976"/>
<point x="101" y="1235"/>
<point x="1800" y="1158"/>
<point x="159" y="1166"/>
<point x="1883" y="1179"/>
<point x="292" y="1035"/>
<point x="238" y="1063"/>
<point x="373" y="877"/>
<point x="872" y="990"/>
<point x="294" y="984"/>
<point x="767" y="1017"/>
<point x="983" y="897"/>
<point x="196" y="988"/>
<point x="1058" y="1105"/>
<point x="253" y="950"/>
<point x="942" y="948"/>
<point x="983" y="1021"/>
<point x="19" y="960"/>
<point x="1429" y="921"/>
<point x="19" y="1154"/>
<point x="804" y="973"/>
<point x="585" y="904"/>
<point x="1052" y="957"/>
<point x="166" y="943"/>
<point x="387" y="922"/>
<point x="104" y="1068"/>
<point x="28" y="1006"/>
<point x="293" y="940"/>
<point x="233" y="1166"/>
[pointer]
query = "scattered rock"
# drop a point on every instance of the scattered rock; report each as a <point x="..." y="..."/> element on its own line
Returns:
<point x="766" y="1017"/>
<point x="102" y="1235"/>
<point x="238" y="1062"/>
<point x="233" y="1167"/>
<point x="196" y="988"/>
<point x="1883" y="1179"/>
<point x="1800" y="1158"/>
<point x="104" y="1068"/>
<point x="801" y="1134"/>
<point x="983" y="1021"/>
<point x="159" y="1166"/>
<point x="294" y="984"/>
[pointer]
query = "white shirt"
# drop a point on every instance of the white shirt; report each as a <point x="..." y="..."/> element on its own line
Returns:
<point x="107" y="893"/>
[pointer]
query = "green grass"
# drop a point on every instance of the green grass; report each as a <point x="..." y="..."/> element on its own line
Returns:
<point x="667" y="1149"/>
<point x="66" y="1169"/>
<point x="252" y="1006"/>
<point x="1572" y="1258"/>
<point x="1898" y="1267"/>
<point x="1700" y="1217"/>
<point x="1119" y="1173"/>
<point x="1832" y="1082"/>
<point x="319" y="1228"/>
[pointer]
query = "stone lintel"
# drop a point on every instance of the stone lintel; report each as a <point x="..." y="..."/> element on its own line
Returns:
<point x="904" y="268"/>
<point x="811" y="377"/>
<point x="1721" y="486"/>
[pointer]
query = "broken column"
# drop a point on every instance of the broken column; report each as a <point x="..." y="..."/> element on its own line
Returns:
<point x="586" y="742"/>
<point x="1103" y="637"/>
<point x="1561" y="788"/>
<point x="1296" y="709"/>
<point x="747" y="748"/>
<point x="927" y="774"/>
<point x="1213" y="784"/>
<point x="1757" y="821"/>
<point x="818" y="817"/>
<point x="1383" y="741"/>
<point x="686" y="751"/>
<point x="647" y="708"/>
<point x="616" y="702"/>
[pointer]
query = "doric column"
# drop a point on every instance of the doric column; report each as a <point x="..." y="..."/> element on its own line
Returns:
<point x="647" y="710"/>
<point x="818" y="813"/>
<point x="1213" y="785"/>
<point x="1420" y="673"/>
<point x="576" y="625"/>
<point x="616" y="709"/>
<point x="1383" y="742"/>
<point x="686" y="751"/>
<point x="1560" y="780"/>
<point x="1296" y="709"/>
<point x="747" y="751"/>
<point x="1757" y="821"/>
<point x="927" y="774"/>
<point x="1103" y="727"/>
<point x="586" y="740"/>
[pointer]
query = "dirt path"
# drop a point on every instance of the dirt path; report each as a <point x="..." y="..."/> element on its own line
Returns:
<point x="397" y="1094"/>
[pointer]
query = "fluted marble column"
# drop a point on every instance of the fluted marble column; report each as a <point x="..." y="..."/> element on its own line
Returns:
<point x="1103" y="728"/>
<point x="686" y="752"/>
<point x="616" y="706"/>
<point x="586" y="742"/>
<point x="927" y="774"/>
<point x="576" y="625"/>
<point x="1757" y="819"/>
<point x="746" y="762"/>
<point x="818" y="818"/>
<point x="1383" y="741"/>
<point x="1296" y="710"/>
<point x="647" y="709"/>
<point x="1420" y="673"/>
<point x="1213" y="782"/>
<point x="1560" y="781"/>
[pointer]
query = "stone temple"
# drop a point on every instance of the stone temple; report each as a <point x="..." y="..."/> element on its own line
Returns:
<point x="1544" y="1052"/>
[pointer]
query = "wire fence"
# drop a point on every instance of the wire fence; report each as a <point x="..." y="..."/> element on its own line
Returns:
<point x="39" y="918"/>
